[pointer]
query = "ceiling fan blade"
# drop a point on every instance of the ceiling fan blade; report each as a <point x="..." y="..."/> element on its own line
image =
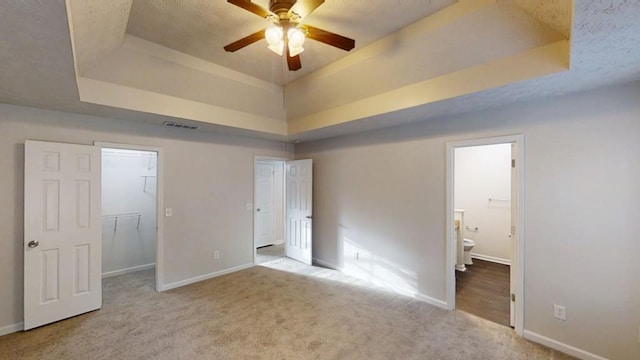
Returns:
<point x="247" y="40"/>
<point x="330" y="38"/>
<point x="293" y="62"/>
<point x="304" y="7"/>
<point x="251" y="7"/>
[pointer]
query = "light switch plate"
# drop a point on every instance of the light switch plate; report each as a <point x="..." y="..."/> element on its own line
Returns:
<point x="168" y="212"/>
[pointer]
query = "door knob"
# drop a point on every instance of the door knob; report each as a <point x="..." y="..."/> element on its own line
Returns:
<point x="258" y="209"/>
<point x="308" y="216"/>
<point x="33" y="243"/>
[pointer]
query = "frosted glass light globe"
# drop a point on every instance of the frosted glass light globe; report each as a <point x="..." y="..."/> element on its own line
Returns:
<point x="295" y="37"/>
<point x="273" y="34"/>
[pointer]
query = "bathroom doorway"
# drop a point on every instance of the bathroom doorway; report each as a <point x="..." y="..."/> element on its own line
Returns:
<point x="484" y="243"/>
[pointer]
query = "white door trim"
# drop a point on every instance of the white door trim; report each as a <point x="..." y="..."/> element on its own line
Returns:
<point x="160" y="284"/>
<point x="256" y="160"/>
<point x="450" y="234"/>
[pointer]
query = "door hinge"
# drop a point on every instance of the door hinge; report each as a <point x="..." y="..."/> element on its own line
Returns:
<point x="513" y="163"/>
<point x="513" y="297"/>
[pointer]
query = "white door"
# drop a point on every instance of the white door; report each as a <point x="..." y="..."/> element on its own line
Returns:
<point x="62" y="244"/>
<point x="513" y="236"/>
<point x="299" y="196"/>
<point x="265" y="216"/>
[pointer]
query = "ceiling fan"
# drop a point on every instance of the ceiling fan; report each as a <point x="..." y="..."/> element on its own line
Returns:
<point x="286" y="34"/>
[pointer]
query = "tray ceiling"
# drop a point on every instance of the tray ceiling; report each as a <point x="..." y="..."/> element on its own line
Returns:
<point x="38" y="68"/>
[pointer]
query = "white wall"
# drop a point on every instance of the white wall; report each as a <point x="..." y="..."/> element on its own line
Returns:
<point x="481" y="173"/>
<point x="129" y="243"/>
<point x="208" y="180"/>
<point x="384" y="192"/>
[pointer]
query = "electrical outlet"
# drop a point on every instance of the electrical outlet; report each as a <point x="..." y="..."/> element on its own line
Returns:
<point x="216" y="255"/>
<point x="559" y="312"/>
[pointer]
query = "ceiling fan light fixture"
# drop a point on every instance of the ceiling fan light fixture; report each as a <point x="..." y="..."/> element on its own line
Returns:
<point x="278" y="49"/>
<point x="295" y="51"/>
<point x="285" y="31"/>
<point x="274" y="35"/>
<point x="295" y="39"/>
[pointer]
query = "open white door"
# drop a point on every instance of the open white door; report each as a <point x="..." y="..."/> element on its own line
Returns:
<point x="513" y="235"/>
<point x="299" y="190"/>
<point x="265" y="217"/>
<point x="62" y="232"/>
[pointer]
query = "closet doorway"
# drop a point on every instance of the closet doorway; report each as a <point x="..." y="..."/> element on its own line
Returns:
<point x="130" y="211"/>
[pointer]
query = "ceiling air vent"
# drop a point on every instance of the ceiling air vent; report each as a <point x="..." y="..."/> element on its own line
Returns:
<point x="179" y="125"/>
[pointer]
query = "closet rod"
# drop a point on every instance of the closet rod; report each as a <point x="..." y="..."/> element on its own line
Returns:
<point x="115" y="218"/>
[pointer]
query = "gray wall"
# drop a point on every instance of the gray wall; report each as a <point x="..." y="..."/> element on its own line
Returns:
<point x="384" y="192"/>
<point x="208" y="182"/>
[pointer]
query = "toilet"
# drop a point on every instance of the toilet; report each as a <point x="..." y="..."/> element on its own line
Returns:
<point x="468" y="245"/>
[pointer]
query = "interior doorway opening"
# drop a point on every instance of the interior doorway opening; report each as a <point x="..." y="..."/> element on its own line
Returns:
<point x="482" y="223"/>
<point x="484" y="228"/>
<point x="269" y="231"/>
<point x="131" y="211"/>
<point x="289" y="182"/>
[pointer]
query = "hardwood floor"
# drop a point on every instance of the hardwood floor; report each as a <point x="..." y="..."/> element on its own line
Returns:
<point x="483" y="290"/>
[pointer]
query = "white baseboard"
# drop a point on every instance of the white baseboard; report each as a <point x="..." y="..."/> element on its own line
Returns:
<point x="429" y="300"/>
<point x="4" y="330"/>
<point x="557" y="345"/>
<point x="199" y="278"/>
<point x="491" y="258"/>
<point x="127" y="270"/>
<point x="327" y="264"/>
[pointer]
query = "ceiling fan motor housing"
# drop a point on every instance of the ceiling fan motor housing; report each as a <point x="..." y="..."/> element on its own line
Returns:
<point x="281" y="7"/>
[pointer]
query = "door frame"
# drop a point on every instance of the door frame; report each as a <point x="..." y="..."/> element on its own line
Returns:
<point x="518" y="262"/>
<point x="256" y="160"/>
<point x="160" y="285"/>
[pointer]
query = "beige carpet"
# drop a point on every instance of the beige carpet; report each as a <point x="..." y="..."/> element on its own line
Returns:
<point x="267" y="312"/>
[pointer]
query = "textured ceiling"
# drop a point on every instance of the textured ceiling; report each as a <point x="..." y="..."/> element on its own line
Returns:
<point x="99" y="28"/>
<point x="36" y="63"/>
<point x="202" y="27"/>
<point x="554" y="13"/>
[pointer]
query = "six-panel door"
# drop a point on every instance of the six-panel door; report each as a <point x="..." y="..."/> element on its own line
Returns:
<point x="62" y="244"/>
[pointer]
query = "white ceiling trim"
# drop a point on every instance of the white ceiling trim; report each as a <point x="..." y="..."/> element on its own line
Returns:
<point x="124" y="97"/>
